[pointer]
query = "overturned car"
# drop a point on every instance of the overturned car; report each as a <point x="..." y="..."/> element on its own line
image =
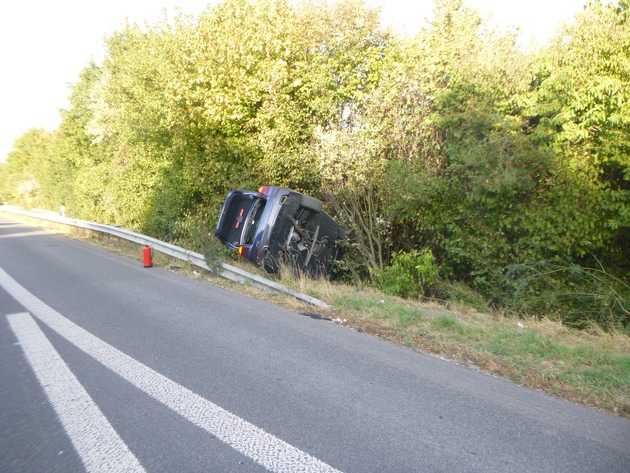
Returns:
<point x="276" y="226"/>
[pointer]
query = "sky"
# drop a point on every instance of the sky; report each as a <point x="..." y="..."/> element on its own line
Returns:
<point x="44" y="45"/>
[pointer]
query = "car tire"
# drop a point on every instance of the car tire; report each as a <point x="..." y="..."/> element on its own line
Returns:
<point x="311" y="203"/>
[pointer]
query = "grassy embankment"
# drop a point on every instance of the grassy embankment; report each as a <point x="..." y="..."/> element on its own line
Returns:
<point x="591" y="367"/>
<point x="587" y="366"/>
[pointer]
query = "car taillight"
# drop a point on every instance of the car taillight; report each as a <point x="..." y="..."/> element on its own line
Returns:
<point x="241" y="250"/>
<point x="263" y="189"/>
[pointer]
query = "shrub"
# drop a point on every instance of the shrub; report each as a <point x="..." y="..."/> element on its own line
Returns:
<point x="410" y="274"/>
<point x="458" y="292"/>
<point x="578" y="295"/>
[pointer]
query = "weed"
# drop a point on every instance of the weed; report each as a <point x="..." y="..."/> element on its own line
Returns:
<point x="407" y="316"/>
<point x="460" y="294"/>
<point x="448" y="323"/>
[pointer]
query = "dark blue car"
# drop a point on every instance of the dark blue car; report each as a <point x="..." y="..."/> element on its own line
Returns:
<point x="276" y="226"/>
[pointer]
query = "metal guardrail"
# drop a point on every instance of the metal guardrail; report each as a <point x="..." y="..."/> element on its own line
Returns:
<point x="226" y="271"/>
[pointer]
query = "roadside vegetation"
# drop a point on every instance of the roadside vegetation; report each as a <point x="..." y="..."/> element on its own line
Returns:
<point x="586" y="366"/>
<point x="466" y="170"/>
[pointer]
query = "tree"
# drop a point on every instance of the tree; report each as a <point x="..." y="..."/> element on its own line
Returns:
<point x="579" y="106"/>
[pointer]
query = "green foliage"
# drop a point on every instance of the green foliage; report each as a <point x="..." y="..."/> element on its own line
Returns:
<point x="410" y="274"/>
<point x="28" y="169"/>
<point x="452" y="148"/>
<point x="459" y="293"/>
<point x="578" y="295"/>
<point x="578" y="105"/>
<point x="4" y="183"/>
<point x="507" y="190"/>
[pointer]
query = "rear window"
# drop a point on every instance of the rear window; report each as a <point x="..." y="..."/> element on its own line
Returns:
<point x="253" y="219"/>
<point x="235" y="212"/>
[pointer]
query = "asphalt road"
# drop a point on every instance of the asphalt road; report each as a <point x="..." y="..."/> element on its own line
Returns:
<point x="107" y="366"/>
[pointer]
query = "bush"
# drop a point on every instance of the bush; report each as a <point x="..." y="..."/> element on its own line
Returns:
<point x="458" y="292"/>
<point x="410" y="274"/>
<point x="195" y="230"/>
<point x="578" y="295"/>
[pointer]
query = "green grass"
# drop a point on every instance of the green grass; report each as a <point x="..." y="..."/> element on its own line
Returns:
<point x="448" y="323"/>
<point x="383" y="308"/>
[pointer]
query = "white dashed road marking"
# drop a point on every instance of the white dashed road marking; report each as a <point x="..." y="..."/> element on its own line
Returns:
<point x="100" y="448"/>
<point x="265" y="449"/>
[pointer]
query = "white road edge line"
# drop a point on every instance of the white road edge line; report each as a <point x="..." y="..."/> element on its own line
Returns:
<point x="100" y="448"/>
<point x="4" y="225"/>
<point x="263" y="448"/>
<point x="26" y="234"/>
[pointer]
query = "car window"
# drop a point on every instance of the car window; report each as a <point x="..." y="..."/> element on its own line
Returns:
<point x="253" y="219"/>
